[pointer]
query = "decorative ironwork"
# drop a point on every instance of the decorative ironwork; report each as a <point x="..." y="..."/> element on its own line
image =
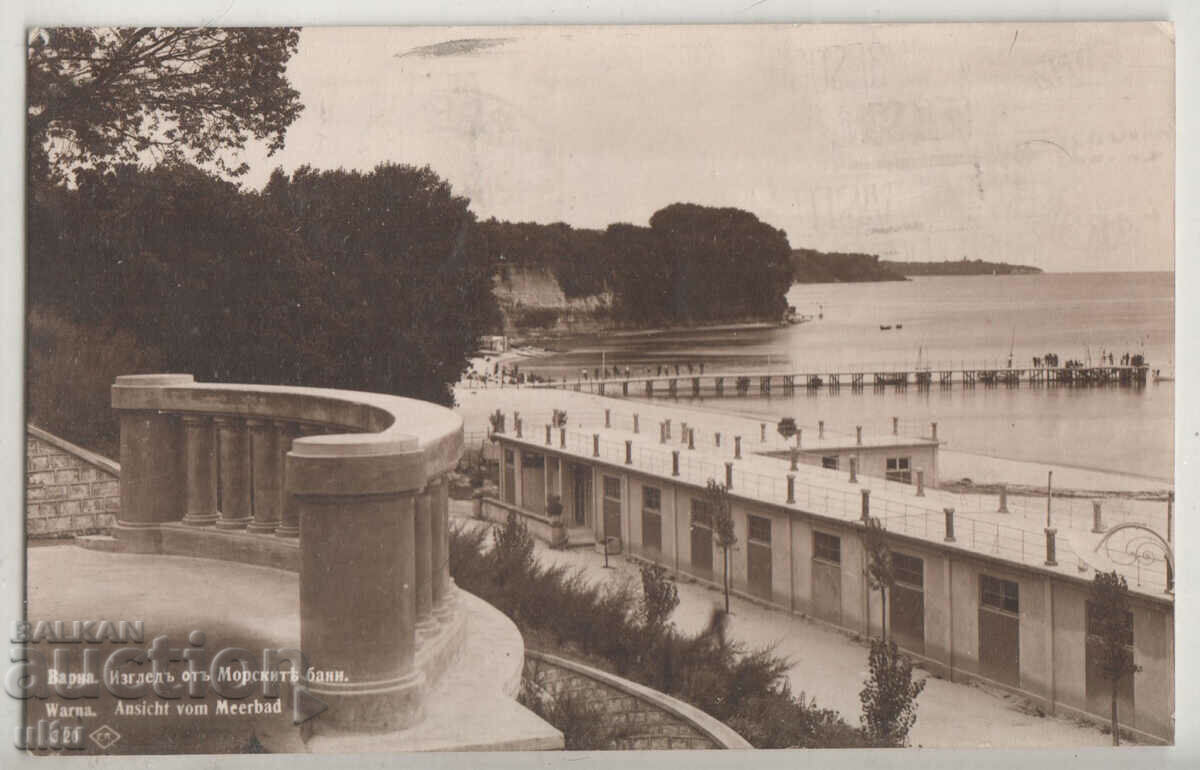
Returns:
<point x="1139" y="547"/>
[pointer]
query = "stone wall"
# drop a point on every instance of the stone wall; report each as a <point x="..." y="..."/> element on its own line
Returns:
<point x="68" y="490"/>
<point x="646" y="718"/>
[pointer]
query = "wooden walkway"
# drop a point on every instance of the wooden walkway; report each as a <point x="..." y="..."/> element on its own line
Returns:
<point x="748" y="382"/>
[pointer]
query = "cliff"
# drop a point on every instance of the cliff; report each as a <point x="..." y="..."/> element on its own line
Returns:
<point x="531" y="299"/>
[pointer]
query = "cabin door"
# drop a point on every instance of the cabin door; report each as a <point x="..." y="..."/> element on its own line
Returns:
<point x="702" y="539"/>
<point x="582" y="492"/>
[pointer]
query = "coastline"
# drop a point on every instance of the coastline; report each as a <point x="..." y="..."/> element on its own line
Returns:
<point x="985" y="472"/>
<point x="535" y="338"/>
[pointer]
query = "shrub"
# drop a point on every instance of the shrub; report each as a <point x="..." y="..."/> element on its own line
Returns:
<point x="890" y="696"/>
<point x="633" y="636"/>
<point x="783" y="721"/>
<point x="71" y="367"/>
<point x="512" y="552"/>
<point x="660" y="597"/>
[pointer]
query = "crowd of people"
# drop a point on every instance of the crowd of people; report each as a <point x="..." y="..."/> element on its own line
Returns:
<point x="661" y="370"/>
<point x="1050" y="361"/>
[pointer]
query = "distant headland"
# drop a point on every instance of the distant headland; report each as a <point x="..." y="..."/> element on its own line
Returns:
<point x="962" y="266"/>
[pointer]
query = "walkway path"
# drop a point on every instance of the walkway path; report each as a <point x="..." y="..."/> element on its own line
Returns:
<point x="831" y="666"/>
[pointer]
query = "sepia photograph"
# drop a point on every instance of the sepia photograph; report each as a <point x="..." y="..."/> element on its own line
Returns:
<point x="553" y="388"/>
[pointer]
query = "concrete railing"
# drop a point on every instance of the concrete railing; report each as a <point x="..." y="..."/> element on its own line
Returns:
<point x="644" y="717"/>
<point x="346" y="488"/>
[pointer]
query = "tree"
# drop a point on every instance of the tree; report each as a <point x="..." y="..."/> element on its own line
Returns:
<point x="880" y="572"/>
<point x="721" y="508"/>
<point x="98" y="96"/>
<point x="889" y="698"/>
<point x="1110" y="635"/>
<point x="660" y="597"/>
<point x="407" y="285"/>
<point x="724" y="263"/>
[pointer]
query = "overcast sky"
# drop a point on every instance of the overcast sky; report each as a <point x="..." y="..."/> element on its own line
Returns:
<point x="1050" y="145"/>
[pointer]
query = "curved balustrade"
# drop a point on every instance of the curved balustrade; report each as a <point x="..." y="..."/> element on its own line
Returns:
<point x="346" y="488"/>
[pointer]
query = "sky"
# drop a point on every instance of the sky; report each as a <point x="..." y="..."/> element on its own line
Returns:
<point x="1042" y="144"/>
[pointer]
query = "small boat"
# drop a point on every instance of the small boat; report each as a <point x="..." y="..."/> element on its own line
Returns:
<point x="883" y="328"/>
<point x="793" y="317"/>
<point x="899" y="326"/>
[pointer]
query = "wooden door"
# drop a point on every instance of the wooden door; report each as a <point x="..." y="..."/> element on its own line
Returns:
<point x="612" y="507"/>
<point x="702" y="539"/>
<point x="1000" y="630"/>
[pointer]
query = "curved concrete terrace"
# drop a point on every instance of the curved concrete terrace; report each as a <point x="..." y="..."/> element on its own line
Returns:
<point x="471" y="708"/>
<point x="346" y="488"/>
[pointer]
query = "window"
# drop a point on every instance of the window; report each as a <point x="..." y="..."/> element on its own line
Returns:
<point x="510" y="477"/>
<point x="909" y="570"/>
<point x="999" y="594"/>
<point x="652" y="518"/>
<point x="701" y="514"/>
<point x="830" y="462"/>
<point x="899" y="469"/>
<point x="760" y="529"/>
<point x="612" y="488"/>
<point x="827" y="547"/>
<point x="533" y="482"/>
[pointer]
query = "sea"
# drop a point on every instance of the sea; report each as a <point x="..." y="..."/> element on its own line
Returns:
<point x="944" y="322"/>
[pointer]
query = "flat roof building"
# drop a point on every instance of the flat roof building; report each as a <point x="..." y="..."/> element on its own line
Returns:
<point x="986" y="591"/>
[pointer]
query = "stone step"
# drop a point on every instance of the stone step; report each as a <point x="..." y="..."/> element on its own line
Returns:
<point x="99" y="543"/>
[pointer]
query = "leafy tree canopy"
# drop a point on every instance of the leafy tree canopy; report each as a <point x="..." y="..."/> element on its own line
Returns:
<point x="99" y="96"/>
<point x="693" y="263"/>
<point x="367" y="281"/>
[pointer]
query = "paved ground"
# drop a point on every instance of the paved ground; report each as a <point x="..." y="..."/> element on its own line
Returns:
<point x="240" y="605"/>
<point x="831" y="667"/>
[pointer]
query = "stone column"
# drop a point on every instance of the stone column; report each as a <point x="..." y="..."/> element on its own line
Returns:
<point x="357" y="502"/>
<point x="289" y="515"/>
<point x="201" y="469"/>
<point x="153" y="473"/>
<point x="266" y="475"/>
<point x="234" y="441"/>
<point x="439" y="534"/>
<point x="423" y="529"/>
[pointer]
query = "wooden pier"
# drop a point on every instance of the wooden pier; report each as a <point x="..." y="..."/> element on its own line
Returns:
<point x="717" y="384"/>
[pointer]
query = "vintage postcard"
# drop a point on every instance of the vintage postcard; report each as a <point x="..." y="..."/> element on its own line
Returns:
<point x="397" y="389"/>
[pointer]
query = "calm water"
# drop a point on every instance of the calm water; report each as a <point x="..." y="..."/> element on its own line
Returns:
<point x="951" y="321"/>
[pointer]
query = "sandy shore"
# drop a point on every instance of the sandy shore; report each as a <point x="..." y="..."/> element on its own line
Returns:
<point x="482" y="368"/>
<point x="476" y="403"/>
